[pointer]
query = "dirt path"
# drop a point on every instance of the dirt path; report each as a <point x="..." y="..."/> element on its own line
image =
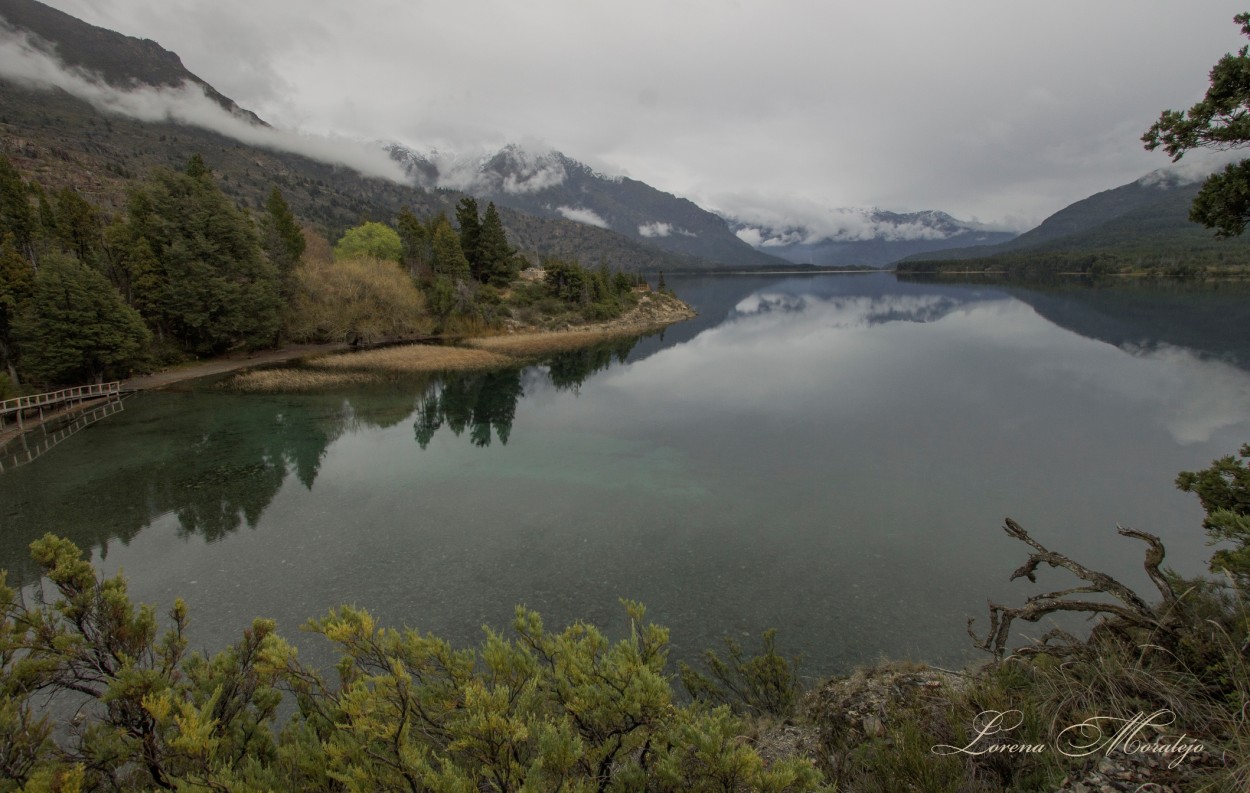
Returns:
<point x="228" y="363"/>
<point x="653" y="310"/>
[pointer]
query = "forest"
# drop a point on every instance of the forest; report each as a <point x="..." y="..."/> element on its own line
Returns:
<point x="185" y="273"/>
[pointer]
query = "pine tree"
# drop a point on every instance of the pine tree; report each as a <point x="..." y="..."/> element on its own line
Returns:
<point x="197" y="168"/>
<point x="498" y="259"/>
<point x="470" y="235"/>
<point x="197" y="271"/>
<point x="281" y="239"/>
<point x="417" y="253"/>
<point x="17" y="218"/>
<point x="78" y="226"/>
<point x="449" y="258"/>
<point x="17" y="281"/>
<point x="75" y="328"/>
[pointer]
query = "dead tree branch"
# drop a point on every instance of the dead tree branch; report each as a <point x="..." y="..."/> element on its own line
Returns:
<point x="1131" y="610"/>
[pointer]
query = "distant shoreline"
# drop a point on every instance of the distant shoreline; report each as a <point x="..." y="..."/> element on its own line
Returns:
<point x="641" y="320"/>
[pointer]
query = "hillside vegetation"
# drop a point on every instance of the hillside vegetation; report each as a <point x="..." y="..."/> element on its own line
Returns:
<point x="1142" y="227"/>
<point x="90" y="293"/>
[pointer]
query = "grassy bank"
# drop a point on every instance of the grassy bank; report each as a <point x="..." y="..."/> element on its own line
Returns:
<point x="518" y="348"/>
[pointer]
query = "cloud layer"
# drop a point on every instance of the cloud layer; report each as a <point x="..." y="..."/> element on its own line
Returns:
<point x="783" y="222"/>
<point x="515" y="170"/>
<point x="993" y="111"/>
<point x="27" y="62"/>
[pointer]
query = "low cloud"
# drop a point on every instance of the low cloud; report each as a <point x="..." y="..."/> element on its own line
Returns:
<point x="512" y="170"/>
<point x="764" y="223"/>
<point x="26" y="61"/>
<point x="583" y="215"/>
<point x="1194" y="168"/>
<point x="656" y="229"/>
<point x="751" y="236"/>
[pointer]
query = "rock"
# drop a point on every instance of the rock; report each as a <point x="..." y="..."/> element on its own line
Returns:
<point x="872" y="727"/>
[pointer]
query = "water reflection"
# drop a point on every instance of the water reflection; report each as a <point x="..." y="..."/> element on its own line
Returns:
<point x="1211" y="319"/>
<point x="479" y="402"/>
<point x="215" y="460"/>
<point x="827" y="455"/>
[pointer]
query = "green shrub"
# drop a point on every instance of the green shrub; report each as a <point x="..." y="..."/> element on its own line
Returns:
<point x="539" y="710"/>
<point x="766" y="683"/>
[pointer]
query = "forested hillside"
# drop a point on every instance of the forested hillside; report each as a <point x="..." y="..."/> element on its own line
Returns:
<point x="1140" y="226"/>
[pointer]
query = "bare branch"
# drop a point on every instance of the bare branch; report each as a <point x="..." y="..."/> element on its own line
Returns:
<point x="1132" y="610"/>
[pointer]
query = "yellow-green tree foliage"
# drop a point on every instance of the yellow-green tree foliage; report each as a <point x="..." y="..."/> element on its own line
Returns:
<point x="361" y="298"/>
<point x="370" y="239"/>
<point x="537" y="711"/>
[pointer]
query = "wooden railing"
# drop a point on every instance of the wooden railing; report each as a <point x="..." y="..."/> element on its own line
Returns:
<point x="19" y="406"/>
<point x="30" y="447"/>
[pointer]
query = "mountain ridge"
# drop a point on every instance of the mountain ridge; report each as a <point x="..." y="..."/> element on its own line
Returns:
<point x="62" y="140"/>
<point x="1142" y="224"/>
<point x="552" y="184"/>
<point x="111" y="55"/>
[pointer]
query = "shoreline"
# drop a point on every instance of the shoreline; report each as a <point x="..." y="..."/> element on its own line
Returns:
<point x="648" y="316"/>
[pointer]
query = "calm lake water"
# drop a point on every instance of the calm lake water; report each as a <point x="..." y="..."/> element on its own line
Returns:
<point x="829" y="455"/>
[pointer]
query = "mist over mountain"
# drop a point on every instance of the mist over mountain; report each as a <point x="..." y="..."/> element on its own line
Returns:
<point x="869" y="237"/>
<point x="123" y="62"/>
<point x="93" y="109"/>
<point x="552" y="185"/>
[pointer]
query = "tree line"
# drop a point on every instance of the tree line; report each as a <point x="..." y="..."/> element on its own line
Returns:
<point x="183" y="272"/>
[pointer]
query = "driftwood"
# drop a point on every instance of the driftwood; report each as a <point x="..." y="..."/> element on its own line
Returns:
<point x="1128" y="610"/>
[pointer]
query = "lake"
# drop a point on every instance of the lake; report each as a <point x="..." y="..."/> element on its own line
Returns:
<point x="829" y="455"/>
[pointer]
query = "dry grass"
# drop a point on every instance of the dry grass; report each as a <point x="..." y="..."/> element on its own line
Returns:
<point x="274" y="380"/>
<point x="523" y="345"/>
<point x="365" y="297"/>
<point x="413" y="358"/>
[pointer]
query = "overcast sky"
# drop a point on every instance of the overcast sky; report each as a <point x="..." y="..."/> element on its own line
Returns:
<point x="994" y="110"/>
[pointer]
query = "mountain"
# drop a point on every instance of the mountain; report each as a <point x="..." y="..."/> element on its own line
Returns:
<point x="121" y="61"/>
<point x="61" y="140"/>
<point x="552" y="185"/>
<point x="871" y="237"/>
<point x="1138" y="225"/>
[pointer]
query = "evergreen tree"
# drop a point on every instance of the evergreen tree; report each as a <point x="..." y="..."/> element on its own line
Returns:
<point x="282" y="239"/>
<point x="78" y="226"/>
<point x="470" y="235"/>
<point x="197" y="168"/>
<point x="17" y="280"/>
<point x="196" y="267"/>
<point x="449" y="258"/>
<point x="620" y="282"/>
<point x="1217" y="122"/>
<point x="17" y="218"/>
<point x="499" y="262"/>
<point x="415" y="239"/>
<point x="75" y="327"/>
<point x="46" y="232"/>
<point x="1224" y="491"/>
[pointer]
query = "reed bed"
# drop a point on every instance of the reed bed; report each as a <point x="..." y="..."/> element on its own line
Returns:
<point x="289" y="379"/>
<point x="412" y="358"/>
<point x="524" y="345"/>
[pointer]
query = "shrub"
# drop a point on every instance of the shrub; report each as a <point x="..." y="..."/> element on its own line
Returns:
<point x="540" y="711"/>
<point x="362" y="298"/>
